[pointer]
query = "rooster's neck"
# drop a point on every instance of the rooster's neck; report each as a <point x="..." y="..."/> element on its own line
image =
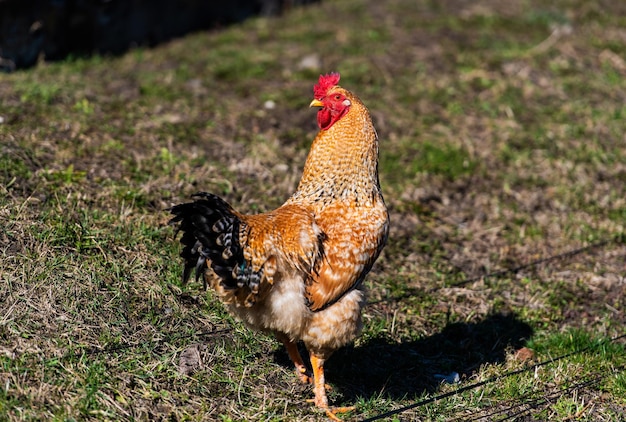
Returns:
<point x="343" y="162"/>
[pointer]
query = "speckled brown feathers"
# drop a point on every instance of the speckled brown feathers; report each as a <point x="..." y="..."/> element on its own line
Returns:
<point x="297" y="271"/>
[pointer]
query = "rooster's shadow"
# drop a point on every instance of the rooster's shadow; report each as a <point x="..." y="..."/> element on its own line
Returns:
<point x="380" y="367"/>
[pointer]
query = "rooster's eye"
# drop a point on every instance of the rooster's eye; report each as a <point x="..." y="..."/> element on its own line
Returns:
<point x="337" y="97"/>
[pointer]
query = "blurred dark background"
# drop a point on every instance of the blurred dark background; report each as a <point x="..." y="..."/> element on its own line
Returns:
<point x="31" y="30"/>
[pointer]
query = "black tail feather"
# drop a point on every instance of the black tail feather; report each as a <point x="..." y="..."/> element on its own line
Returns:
<point x="210" y="229"/>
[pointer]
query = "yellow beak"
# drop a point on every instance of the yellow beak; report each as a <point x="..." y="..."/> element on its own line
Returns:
<point x="316" y="103"/>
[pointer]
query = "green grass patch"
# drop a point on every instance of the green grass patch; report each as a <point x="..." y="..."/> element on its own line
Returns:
<point x="415" y="158"/>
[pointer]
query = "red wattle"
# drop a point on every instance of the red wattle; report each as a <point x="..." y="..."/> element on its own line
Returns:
<point x="324" y="119"/>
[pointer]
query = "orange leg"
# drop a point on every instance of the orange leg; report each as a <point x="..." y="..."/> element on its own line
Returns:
<point x="319" y="387"/>
<point x="294" y="355"/>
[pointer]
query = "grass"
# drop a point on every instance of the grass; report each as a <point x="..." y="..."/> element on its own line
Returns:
<point x="501" y="144"/>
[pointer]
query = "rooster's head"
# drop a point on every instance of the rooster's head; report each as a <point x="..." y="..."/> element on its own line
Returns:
<point x="331" y="98"/>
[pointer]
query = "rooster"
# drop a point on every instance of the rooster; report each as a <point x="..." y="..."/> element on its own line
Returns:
<point x="298" y="271"/>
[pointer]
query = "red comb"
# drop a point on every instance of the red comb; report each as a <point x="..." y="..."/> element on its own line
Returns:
<point x="325" y="83"/>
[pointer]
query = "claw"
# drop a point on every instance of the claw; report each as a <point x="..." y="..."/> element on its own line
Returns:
<point x="303" y="374"/>
<point x="331" y="413"/>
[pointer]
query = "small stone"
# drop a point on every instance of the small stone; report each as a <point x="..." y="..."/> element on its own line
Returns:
<point x="190" y="359"/>
<point x="310" y="62"/>
<point x="524" y="354"/>
<point x="451" y="378"/>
